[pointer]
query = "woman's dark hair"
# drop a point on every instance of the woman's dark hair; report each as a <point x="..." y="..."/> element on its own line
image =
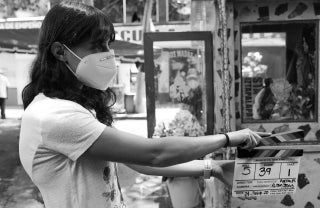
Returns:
<point x="70" y="23"/>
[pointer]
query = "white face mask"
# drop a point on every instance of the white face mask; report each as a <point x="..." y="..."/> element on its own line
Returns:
<point x="96" y="70"/>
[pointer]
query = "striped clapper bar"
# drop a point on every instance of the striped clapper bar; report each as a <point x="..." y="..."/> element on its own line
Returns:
<point x="274" y="146"/>
<point x="269" y="153"/>
<point x="281" y="138"/>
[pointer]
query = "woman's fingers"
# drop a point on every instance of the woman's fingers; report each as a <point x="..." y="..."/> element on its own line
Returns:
<point x="251" y="140"/>
<point x="254" y="139"/>
<point x="257" y="137"/>
<point x="245" y="138"/>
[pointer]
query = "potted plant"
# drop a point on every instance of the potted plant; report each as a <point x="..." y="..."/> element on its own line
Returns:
<point x="184" y="192"/>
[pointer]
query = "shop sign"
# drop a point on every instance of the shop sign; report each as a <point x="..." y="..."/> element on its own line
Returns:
<point x="134" y="33"/>
<point x="11" y="25"/>
<point x="131" y="33"/>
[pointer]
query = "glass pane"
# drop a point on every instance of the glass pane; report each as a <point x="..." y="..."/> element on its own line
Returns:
<point x="112" y="8"/>
<point x="134" y="9"/>
<point x="180" y="93"/>
<point x="278" y="72"/>
<point x="179" y="10"/>
<point x="12" y="9"/>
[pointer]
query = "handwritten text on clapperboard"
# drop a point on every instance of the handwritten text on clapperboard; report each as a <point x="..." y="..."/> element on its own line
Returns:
<point x="265" y="176"/>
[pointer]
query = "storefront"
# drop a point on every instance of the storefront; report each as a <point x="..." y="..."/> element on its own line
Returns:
<point x="276" y="52"/>
<point x="272" y="62"/>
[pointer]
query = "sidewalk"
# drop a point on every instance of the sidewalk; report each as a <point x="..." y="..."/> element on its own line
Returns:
<point x="14" y="112"/>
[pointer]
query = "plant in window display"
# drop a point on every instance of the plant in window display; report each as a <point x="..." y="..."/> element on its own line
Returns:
<point x="302" y="97"/>
<point x="187" y="189"/>
<point x="281" y="89"/>
<point x="301" y="103"/>
<point x="183" y="124"/>
<point x="21" y="8"/>
<point x="179" y="10"/>
<point x="251" y="66"/>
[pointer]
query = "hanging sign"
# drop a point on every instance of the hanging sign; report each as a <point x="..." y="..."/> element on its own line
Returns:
<point x="271" y="171"/>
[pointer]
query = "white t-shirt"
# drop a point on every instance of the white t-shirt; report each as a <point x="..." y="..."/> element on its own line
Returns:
<point x="54" y="135"/>
<point x="4" y="84"/>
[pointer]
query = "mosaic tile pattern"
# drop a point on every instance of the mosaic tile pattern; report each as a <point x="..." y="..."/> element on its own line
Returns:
<point x="300" y="8"/>
<point x="258" y="12"/>
<point x="302" y="180"/>
<point x="318" y="135"/>
<point x="309" y="205"/>
<point x="261" y="11"/>
<point x="316" y="8"/>
<point x="287" y="201"/>
<point x="306" y="128"/>
<point x="282" y="128"/>
<point x="317" y="160"/>
<point x="281" y="9"/>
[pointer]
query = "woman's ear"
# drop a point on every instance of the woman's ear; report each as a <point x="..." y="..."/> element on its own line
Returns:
<point x="58" y="51"/>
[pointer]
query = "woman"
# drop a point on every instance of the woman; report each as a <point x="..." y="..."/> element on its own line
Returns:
<point x="67" y="144"/>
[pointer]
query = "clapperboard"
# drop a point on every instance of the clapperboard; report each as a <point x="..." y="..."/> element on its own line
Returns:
<point x="270" y="168"/>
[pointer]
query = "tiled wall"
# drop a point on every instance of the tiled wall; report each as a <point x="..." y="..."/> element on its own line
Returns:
<point x="262" y="12"/>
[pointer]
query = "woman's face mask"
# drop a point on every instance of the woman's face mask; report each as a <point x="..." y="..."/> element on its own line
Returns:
<point x="96" y="70"/>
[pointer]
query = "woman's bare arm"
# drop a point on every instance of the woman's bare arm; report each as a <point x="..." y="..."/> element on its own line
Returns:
<point x="118" y="146"/>
<point x="223" y="170"/>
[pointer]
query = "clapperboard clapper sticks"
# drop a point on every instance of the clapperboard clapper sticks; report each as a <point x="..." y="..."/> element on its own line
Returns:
<point x="277" y="145"/>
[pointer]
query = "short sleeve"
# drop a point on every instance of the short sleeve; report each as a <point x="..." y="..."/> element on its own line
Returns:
<point x="70" y="130"/>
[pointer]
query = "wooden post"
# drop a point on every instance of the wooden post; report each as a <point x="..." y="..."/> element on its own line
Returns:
<point x="140" y="99"/>
<point x="224" y="200"/>
<point x="146" y="17"/>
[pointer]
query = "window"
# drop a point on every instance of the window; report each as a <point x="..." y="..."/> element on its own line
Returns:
<point x="178" y="83"/>
<point x="112" y="8"/>
<point x="125" y="11"/>
<point x="134" y="11"/>
<point x="13" y="9"/>
<point x="279" y="71"/>
<point x="179" y="10"/>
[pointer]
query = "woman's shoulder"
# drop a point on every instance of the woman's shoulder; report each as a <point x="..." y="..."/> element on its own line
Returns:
<point x="46" y="105"/>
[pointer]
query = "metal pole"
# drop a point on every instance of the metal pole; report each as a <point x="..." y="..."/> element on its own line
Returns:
<point x="146" y="17"/>
<point x="140" y="104"/>
<point x="124" y="10"/>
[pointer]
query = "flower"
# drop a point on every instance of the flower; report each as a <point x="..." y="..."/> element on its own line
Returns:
<point x="183" y="124"/>
<point x="251" y="66"/>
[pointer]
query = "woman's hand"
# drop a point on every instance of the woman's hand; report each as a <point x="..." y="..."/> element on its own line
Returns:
<point x="223" y="170"/>
<point x="245" y="138"/>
